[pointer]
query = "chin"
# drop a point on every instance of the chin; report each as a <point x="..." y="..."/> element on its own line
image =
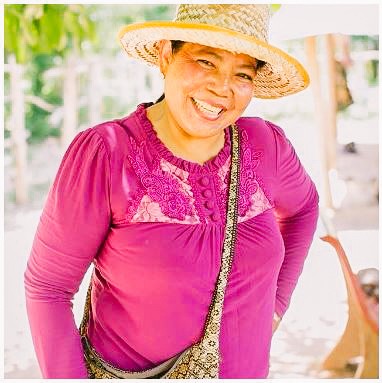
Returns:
<point x="205" y="133"/>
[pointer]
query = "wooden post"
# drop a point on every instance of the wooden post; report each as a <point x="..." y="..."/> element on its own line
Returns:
<point x="321" y="118"/>
<point x="70" y="102"/>
<point x="18" y="131"/>
<point x="331" y="100"/>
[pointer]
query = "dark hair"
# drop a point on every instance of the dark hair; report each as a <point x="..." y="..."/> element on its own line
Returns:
<point x="176" y="45"/>
<point x="260" y="64"/>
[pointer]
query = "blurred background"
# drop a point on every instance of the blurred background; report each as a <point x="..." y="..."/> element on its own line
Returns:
<point x="64" y="71"/>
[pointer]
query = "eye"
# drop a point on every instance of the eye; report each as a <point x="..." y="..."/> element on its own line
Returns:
<point x="206" y="63"/>
<point x="245" y="76"/>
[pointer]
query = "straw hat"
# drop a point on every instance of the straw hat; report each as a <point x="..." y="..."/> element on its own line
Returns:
<point x="238" y="28"/>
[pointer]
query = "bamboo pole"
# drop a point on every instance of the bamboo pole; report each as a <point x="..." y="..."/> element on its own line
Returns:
<point x="18" y="131"/>
<point x="321" y="118"/>
<point x="331" y="127"/>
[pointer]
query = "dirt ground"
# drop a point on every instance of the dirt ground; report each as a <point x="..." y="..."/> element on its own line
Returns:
<point x="318" y="312"/>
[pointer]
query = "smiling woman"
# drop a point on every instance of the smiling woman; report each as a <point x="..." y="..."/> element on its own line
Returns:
<point x="207" y="89"/>
<point x="197" y="220"/>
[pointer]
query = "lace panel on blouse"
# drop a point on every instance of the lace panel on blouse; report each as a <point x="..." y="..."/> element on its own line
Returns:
<point x="167" y="194"/>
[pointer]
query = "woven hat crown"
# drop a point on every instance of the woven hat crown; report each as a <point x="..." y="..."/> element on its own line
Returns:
<point x="249" y="19"/>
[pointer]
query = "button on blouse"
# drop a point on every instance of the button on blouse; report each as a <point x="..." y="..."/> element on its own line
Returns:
<point x="215" y="217"/>
<point x="204" y="181"/>
<point x="209" y="205"/>
<point x="207" y="193"/>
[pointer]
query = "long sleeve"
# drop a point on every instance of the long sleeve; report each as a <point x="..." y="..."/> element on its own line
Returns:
<point x="296" y="206"/>
<point x="72" y="227"/>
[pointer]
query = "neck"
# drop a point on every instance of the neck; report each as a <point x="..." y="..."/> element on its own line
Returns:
<point x="181" y="144"/>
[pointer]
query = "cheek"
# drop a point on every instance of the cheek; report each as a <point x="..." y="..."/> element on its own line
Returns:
<point x="194" y="78"/>
<point x="194" y="75"/>
<point x="183" y="81"/>
<point x="244" y="94"/>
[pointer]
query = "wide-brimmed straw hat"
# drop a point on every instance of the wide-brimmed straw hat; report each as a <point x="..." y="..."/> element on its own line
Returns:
<point x="238" y="28"/>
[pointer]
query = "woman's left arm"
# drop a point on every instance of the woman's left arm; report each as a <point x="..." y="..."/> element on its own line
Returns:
<point x="296" y="207"/>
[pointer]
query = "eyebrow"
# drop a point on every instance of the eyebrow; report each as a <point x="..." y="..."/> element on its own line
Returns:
<point x="220" y="58"/>
<point x="211" y="53"/>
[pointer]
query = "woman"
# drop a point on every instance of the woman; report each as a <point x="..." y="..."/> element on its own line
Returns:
<point x="145" y="199"/>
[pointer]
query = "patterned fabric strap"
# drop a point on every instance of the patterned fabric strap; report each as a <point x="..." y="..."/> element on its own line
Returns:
<point x="200" y="361"/>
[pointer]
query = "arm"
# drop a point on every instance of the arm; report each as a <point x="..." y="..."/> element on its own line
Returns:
<point x="275" y="323"/>
<point x="73" y="225"/>
<point x="296" y="206"/>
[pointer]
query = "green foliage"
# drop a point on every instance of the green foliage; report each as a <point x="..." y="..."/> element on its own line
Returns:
<point x="37" y="119"/>
<point x="7" y="105"/>
<point x="110" y="18"/>
<point x="275" y="8"/>
<point x="33" y="29"/>
<point x="40" y="35"/>
<point x="362" y="43"/>
<point x="140" y="13"/>
<point x="372" y="72"/>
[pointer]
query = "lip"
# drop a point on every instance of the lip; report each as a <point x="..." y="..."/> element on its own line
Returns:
<point x="206" y="115"/>
<point x="212" y="103"/>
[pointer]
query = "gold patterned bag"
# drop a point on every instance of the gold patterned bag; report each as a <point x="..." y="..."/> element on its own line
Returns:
<point x="201" y="360"/>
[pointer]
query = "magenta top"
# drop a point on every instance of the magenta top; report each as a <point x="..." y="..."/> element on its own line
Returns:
<point x="153" y="225"/>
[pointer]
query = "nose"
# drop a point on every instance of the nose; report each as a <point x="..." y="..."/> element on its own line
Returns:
<point x="220" y="85"/>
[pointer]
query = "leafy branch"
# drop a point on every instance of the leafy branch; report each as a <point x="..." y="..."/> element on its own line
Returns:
<point x="31" y="29"/>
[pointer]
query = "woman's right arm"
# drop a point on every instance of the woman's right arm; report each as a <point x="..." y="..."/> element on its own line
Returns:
<point x="72" y="227"/>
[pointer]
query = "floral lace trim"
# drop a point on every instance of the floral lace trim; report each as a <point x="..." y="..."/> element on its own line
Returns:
<point x="249" y="186"/>
<point x="132" y="205"/>
<point x="150" y="211"/>
<point x="223" y="179"/>
<point x="259" y="203"/>
<point x="167" y="195"/>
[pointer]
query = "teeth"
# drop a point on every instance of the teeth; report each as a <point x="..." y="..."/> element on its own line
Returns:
<point x="203" y="106"/>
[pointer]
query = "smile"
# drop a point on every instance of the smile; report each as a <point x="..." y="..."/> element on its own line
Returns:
<point x="204" y="107"/>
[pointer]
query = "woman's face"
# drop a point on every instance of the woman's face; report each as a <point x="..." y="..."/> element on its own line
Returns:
<point x="206" y="89"/>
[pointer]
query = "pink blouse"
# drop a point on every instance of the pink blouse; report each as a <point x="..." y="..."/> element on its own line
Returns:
<point x="153" y="225"/>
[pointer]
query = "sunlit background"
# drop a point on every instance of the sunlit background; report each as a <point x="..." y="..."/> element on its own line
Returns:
<point x="65" y="72"/>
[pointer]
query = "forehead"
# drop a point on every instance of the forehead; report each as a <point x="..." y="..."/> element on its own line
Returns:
<point x="217" y="52"/>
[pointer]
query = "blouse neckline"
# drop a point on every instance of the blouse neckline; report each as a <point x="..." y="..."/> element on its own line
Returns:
<point x="211" y="165"/>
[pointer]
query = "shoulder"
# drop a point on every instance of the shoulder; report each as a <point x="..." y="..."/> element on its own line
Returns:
<point x="115" y="133"/>
<point x="260" y="131"/>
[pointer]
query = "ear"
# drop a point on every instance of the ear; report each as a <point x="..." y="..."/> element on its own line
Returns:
<point x="165" y="55"/>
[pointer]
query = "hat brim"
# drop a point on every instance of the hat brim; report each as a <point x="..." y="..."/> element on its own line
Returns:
<point x="282" y="75"/>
